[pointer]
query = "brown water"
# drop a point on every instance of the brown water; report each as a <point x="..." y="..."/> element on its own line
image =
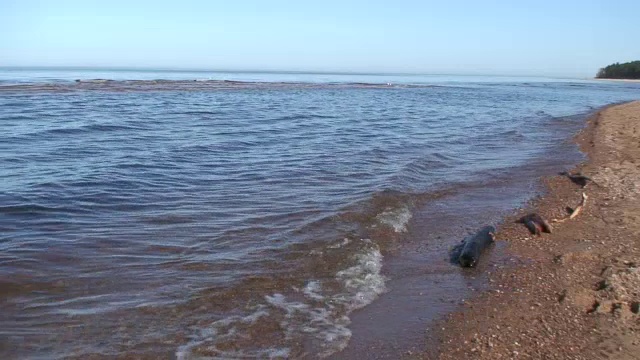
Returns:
<point x="425" y="284"/>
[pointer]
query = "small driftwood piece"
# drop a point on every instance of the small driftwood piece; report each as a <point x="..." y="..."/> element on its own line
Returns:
<point x="468" y="252"/>
<point x="536" y="224"/>
<point x="579" y="179"/>
<point x="575" y="211"/>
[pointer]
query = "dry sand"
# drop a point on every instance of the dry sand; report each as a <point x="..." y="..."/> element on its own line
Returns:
<point x="577" y="292"/>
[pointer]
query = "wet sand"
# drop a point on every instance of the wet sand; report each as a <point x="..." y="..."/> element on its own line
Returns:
<point x="619" y="80"/>
<point x="577" y="294"/>
<point x="424" y="285"/>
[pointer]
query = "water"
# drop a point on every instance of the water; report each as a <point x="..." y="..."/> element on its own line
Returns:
<point x="222" y="219"/>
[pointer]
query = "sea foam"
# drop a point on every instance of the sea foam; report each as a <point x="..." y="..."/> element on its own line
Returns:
<point x="311" y="313"/>
<point x="397" y="219"/>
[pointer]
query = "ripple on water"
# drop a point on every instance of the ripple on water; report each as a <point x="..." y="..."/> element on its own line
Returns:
<point x="226" y="219"/>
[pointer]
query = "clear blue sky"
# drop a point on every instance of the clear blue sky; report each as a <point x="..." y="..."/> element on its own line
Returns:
<point x="541" y="37"/>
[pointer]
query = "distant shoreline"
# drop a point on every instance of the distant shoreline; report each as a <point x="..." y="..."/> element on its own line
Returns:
<point x="619" y="80"/>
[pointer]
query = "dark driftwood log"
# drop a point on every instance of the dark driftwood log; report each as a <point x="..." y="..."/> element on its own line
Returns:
<point x="474" y="245"/>
<point x="536" y="224"/>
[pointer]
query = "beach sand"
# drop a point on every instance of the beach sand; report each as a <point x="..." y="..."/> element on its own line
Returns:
<point x="618" y="80"/>
<point x="576" y="293"/>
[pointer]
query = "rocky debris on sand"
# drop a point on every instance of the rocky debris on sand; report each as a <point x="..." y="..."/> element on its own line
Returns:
<point x="619" y="292"/>
<point x="535" y="223"/>
<point x="578" y="178"/>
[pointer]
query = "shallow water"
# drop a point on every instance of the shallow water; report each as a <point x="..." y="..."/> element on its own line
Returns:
<point x="247" y="219"/>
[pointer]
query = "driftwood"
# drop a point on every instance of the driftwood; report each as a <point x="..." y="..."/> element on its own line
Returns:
<point x="575" y="211"/>
<point x="579" y="179"/>
<point x="536" y="224"/>
<point x="468" y="252"/>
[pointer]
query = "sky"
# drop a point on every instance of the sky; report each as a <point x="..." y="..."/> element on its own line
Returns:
<point x="541" y="37"/>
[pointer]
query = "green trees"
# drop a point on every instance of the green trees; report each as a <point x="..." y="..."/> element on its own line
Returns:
<point x="630" y="70"/>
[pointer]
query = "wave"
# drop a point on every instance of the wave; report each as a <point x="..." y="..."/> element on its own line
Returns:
<point x="396" y="218"/>
<point x="200" y="112"/>
<point x="76" y="130"/>
<point x="304" y="117"/>
<point x="34" y="210"/>
<point x="167" y="219"/>
<point x="318" y="311"/>
<point x="512" y="135"/>
<point x="191" y="85"/>
<point x="304" y="301"/>
<point x="93" y="81"/>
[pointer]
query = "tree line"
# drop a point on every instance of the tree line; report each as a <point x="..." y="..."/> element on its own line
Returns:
<point x="629" y="70"/>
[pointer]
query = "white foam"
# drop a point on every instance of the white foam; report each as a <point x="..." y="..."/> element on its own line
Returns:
<point x="396" y="218"/>
<point x="344" y="242"/>
<point x="278" y="353"/>
<point x="364" y="280"/>
<point x="222" y="329"/>
<point x="322" y="323"/>
<point x="320" y="316"/>
<point x="313" y="289"/>
<point x="184" y="353"/>
<point x="362" y="284"/>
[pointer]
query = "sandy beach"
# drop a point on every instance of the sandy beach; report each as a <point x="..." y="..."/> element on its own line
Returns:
<point x="619" y="80"/>
<point x="576" y="294"/>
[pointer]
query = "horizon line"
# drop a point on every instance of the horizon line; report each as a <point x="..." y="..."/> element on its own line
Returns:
<point x="270" y="71"/>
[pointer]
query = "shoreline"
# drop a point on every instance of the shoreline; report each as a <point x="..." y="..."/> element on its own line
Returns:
<point x="576" y="294"/>
<point x="424" y="286"/>
<point x="618" y="80"/>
